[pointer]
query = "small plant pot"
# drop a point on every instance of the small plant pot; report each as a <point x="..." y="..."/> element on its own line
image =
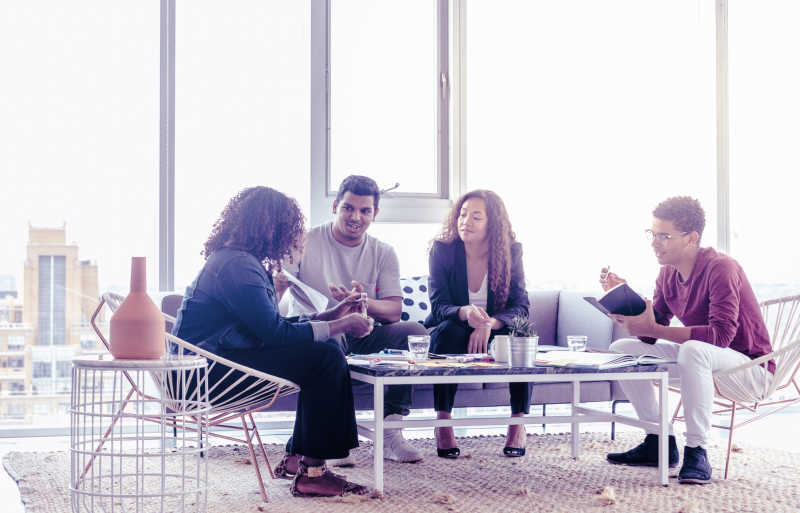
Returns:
<point x="523" y="351"/>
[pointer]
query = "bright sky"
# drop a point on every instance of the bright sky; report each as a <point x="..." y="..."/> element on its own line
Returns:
<point x="582" y="116"/>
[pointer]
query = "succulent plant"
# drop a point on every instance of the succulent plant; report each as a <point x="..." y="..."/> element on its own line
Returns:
<point x="522" y="326"/>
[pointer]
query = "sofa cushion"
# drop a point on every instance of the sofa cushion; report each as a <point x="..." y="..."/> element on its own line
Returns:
<point x="416" y="304"/>
<point x="577" y="317"/>
<point x="544" y="312"/>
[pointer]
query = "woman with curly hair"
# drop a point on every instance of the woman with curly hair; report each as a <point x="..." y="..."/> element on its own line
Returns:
<point x="477" y="285"/>
<point x="231" y="310"/>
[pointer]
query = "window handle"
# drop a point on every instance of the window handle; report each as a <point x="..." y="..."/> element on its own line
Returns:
<point x="444" y="84"/>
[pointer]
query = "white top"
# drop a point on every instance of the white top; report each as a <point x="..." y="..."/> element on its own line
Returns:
<point x="325" y="260"/>
<point x="479" y="298"/>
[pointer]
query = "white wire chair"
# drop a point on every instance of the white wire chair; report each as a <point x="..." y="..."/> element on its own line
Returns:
<point x="731" y="386"/>
<point x="236" y="395"/>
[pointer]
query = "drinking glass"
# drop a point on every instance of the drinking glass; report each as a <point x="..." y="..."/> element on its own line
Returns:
<point x="577" y="342"/>
<point x="419" y="345"/>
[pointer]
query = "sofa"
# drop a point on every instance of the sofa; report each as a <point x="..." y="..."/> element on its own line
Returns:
<point x="556" y="314"/>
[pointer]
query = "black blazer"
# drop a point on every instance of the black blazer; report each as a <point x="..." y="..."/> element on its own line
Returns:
<point x="448" y="284"/>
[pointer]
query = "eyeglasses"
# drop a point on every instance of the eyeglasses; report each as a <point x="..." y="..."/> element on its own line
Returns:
<point x="661" y="236"/>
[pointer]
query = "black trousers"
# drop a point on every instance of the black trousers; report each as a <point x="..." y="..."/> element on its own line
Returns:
<point x="452" y="337"/>
<point x="397" y="398"/>
<point x="325" y="422"/>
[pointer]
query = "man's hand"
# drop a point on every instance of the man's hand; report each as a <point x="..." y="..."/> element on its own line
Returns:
<point x="609" y="280"/>
<point x="281" y="283"/>
<point x="479" y="340"/>
<point x="339" y="292"/>
<point x="641" y="325"/>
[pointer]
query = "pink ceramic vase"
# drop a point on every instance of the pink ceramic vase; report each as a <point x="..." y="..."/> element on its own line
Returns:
<point x="137" y="327"/>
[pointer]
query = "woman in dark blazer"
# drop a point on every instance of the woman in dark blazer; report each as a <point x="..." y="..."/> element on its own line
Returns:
<point x="231" y="310"/>
<point x="477" y="286"/>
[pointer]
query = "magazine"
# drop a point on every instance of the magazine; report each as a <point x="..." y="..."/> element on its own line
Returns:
<point x="598" y="361"/>
<point x="309" y="298"/>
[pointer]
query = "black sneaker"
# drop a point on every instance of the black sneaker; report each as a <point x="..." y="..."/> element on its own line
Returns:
<point x="645" y="454"/>
<point x="695" y="469"/>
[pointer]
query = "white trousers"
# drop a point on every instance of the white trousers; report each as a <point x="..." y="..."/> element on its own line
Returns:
<point x="697" y="361"/>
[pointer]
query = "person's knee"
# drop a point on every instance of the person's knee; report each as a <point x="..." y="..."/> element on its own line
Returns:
<point x="400" y="331"/>
<point x="330" y="357"/>
<point x="693" y="353"/>
<point x="623" y="345"/>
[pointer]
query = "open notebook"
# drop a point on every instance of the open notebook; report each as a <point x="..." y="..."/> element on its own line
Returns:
<point x="596" y="360"/>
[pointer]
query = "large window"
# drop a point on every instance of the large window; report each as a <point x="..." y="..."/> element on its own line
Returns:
<point x="583" y="116"/>
<point x="241" y="112"/>
<point x="765" y="166"/>
<point x="383" y="93"/>
<point x="79" y="164"/>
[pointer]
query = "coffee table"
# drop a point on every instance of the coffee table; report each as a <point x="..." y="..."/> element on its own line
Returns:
<point x="486" y="372"/>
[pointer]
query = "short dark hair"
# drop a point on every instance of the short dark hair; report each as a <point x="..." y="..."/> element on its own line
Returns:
<point x="360" y="186"/>
<point x="685" y="213"/>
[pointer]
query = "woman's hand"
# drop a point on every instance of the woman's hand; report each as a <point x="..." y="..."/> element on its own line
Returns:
<point x="356" y="325"/>
<point x="479" y="340"/>
<point x="349" y="304"/>
<point x="609" y="280"/>
<point x="475" y="316"/>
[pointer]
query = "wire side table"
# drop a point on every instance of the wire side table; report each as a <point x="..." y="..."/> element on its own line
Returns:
<point x="126" y="453"/>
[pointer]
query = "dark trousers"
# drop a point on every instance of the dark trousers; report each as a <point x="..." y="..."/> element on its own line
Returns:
<point x="397" y="398"/>
<point x="325" y="422"/>
<point x="452" y="337"/>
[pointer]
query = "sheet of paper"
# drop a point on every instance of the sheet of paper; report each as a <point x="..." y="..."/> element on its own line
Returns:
<point x="308" y="296"/>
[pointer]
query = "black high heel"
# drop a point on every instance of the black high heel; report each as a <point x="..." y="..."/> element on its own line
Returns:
<point x="451" y="454"/>
<point x="514" y="452"/>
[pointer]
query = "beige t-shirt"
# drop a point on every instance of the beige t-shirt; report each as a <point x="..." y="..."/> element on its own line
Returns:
<point x="372" y="263"/>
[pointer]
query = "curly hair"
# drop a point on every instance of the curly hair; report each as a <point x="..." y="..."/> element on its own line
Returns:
<point x="500" y="236"/>
<point x="685" y="213"/>
<point x="261" y="221"/>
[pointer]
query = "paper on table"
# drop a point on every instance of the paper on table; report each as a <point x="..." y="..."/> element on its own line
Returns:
<point x="307" y="296"/>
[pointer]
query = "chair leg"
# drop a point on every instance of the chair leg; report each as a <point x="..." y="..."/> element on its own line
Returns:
<point x="544" y="414"/>
<point x="730" y="440"/>
<point x="248" y="437"/>
<point x="261" y="445"/>
<point x="613" y="412"/>
<point x="677" y="409"/>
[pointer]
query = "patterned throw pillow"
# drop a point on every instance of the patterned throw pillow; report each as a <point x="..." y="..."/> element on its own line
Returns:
<point x="416" y="305"/>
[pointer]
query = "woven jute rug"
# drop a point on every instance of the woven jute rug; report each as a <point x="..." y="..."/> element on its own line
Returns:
<point x="482" y="480"/>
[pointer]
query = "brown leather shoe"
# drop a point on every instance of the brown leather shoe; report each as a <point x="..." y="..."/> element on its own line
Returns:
<point x="320" y="482"/>
<point x="287" y="468"/>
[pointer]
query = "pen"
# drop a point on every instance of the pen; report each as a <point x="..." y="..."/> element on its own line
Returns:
<point x="605" y="274"/>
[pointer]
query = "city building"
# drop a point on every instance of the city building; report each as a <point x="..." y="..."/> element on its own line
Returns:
<point x="40" y="334"/>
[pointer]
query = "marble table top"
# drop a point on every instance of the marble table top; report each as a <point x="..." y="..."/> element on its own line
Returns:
<point x="436" y="368"/>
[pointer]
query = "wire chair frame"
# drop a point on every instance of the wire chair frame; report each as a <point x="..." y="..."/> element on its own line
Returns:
<point x="231" y="409"/>
<point x="731" y="390"/>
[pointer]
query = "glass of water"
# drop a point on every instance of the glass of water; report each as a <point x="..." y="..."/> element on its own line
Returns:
<point x="577" y="342"/>
<point x="419" y="345"/>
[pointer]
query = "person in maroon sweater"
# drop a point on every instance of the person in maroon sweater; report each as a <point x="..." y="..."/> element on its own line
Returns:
<point x="721" y="328"/>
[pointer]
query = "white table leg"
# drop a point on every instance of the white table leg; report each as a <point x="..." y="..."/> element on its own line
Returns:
<point x="576" y="427"/>
<point x="663" y="456"/>
<point x="378" y="443"/>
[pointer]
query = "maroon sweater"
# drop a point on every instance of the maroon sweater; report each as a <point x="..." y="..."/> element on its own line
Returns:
<point x="716" y="301"/>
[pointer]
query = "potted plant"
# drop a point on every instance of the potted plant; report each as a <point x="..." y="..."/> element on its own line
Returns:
<point x="523" y="342"/>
